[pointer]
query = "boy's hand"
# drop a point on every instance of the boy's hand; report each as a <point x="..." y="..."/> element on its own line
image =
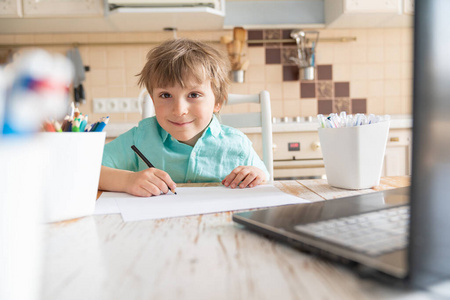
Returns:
<point x="149" y="182"/>
<point x="244" y="176"/>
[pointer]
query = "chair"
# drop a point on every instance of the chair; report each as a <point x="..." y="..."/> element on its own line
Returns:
<point x="261" y="119"/>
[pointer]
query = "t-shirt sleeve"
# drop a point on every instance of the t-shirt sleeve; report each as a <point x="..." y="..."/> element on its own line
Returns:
<point x="118" y="153"/>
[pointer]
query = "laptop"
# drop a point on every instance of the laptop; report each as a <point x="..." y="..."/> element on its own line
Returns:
<point x="402" y="235"/>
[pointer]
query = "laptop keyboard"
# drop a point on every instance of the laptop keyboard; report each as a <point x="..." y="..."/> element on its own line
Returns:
<point x="372" y="233"/>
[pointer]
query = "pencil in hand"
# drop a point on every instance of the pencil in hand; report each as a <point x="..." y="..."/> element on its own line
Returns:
<point x="147" y="162"/>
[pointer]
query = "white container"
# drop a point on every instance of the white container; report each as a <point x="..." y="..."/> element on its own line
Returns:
<point x="353" y="156"/>
<point x="21" y="228"/>
<point x="73" y="172"/>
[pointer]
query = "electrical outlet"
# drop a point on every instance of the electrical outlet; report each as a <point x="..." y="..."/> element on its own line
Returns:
<point x="116" y="105"/>
<point x="99" y="105"/>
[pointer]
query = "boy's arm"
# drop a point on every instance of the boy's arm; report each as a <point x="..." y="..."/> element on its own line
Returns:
<point x="145" y="183"/>
<point x="113" y="180"/>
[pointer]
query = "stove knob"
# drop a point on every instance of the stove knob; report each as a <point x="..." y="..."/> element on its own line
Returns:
<point x="274" y="147"/>
<point x="315" y="146"/>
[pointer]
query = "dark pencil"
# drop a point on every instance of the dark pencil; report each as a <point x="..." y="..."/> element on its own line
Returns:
<point x="147" y="162"/>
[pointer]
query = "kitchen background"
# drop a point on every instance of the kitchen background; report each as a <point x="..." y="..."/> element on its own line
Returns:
<point x="372" y="74"/>
<point x="363" y="61"/>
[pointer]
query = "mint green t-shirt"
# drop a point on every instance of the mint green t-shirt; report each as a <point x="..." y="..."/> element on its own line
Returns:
<point x="217" y="152"/>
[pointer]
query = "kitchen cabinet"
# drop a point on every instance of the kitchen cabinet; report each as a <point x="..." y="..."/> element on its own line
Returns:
<point x="74" y="16"/>
<point x="50" y="8"/>
<point x="368" y="13"/>
<point x="397" y="159"/>
<point x="10" y="8"/>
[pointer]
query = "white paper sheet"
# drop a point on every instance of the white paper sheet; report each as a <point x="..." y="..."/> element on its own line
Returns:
<point x="193" y="201"/>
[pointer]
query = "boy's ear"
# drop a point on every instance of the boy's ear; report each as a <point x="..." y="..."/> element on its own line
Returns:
<point x="217" y="107"/>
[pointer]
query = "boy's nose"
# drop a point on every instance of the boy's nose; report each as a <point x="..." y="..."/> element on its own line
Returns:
<point x="180" y="107"/>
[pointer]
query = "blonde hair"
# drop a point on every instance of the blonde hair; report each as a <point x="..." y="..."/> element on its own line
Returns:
<point x="184" y="62"/>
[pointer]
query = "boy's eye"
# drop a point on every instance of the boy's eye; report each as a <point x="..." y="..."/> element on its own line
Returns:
<point x="194" y="95"/>
<point x="165" y="95"/>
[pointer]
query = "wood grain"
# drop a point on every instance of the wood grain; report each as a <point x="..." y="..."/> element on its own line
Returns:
<point x="196" y="257"/>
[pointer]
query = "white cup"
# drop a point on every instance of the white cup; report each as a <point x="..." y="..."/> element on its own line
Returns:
<point x="72" y="173"/>
<point x="353" y="156"/>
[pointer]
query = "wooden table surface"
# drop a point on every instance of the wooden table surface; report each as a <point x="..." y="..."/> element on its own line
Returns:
<point x="197" y="257"/>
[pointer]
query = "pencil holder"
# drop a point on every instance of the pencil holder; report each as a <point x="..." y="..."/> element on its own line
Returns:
<point x="21" y="229"/>
<point x="353" y="156"/>
<point x="74" y="161"/>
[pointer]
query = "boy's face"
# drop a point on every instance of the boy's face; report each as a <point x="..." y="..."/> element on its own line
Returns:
<point x="185" y="112"/>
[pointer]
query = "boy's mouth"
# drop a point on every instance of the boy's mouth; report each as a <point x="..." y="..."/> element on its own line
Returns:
<point x="181" y="123"/>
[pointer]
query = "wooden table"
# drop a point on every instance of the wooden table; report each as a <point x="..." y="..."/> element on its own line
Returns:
<point x="197" y="257"/>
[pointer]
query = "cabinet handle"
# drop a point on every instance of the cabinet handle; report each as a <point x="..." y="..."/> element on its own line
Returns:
<point x="394" y="139"/>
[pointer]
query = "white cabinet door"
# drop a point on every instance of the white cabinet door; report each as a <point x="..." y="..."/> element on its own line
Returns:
<point x="54" y="8"/>
<point x="371" y="6"/>
<point x="408" y="7"/>
<point x="10" y="9"/>
<point x="368" y="13"/>
<point x="397" y="159"/>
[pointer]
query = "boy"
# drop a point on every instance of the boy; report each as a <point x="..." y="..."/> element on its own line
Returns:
<point x="188" y="83"/>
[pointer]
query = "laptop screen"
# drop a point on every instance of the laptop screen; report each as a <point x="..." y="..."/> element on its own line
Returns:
<point x="429" y="253"/>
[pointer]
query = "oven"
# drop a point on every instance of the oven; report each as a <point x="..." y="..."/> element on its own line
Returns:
<point x="296" y="148"/>
<point x="297" y="155"/>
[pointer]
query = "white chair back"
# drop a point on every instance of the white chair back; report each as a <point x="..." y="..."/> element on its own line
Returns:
<point x="262" y="119"/>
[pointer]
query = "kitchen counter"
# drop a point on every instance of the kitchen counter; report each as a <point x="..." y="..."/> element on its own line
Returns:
<point x="397" y="122"/>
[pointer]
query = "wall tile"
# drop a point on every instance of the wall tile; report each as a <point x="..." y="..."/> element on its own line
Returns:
<point x="324" y="72"/>
<point x="308" y="107"/>
<point x="290" y="73"/>
<point x="257" y="55"/>
<point x="392" y="88"/>
<point x="274" y="73"/>
<point x="291" y="108"/>
<point x="358" y="88"/>
<point x="375" y="105"/>
<point x="291" y="90"/>
<point x="255" y="73"/>
<point x="376" y="88"/>
<point x="115" y="77"/>
<point x="324" y="89"/>
<point x="341" y="104"/>
<point x="359" y="106"/>
<point x="341" y="72"/>
<point x="287" y="53"/>
<point x="275" y="90"/>
<point x="273" y="55"/>
<point x="324" y="107"/>
<point x="341" y="89"/>
<point x="255" y="35"/>
<point x="307" y="90"/>
<point x="392" y="70"/>
<point x="256" y="88"/>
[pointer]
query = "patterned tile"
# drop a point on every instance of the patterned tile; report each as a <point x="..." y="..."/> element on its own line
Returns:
<point x="290" y="73"/>
<point x="359" y="106"/>
<point x="286" y="54"/>
<point x="324" y="89"/>
<point x="341" y="104"/>
<point x="307" y="90"/>
<point x="324" y="107"/>
<point x="272" y="34"/>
